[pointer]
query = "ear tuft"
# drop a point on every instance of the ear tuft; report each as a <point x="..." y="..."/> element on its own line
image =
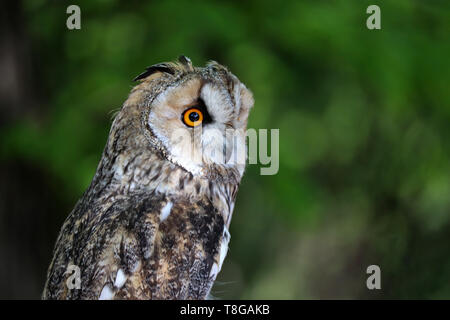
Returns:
<point x="160" y="67"/>
<point x="185" y="60"/>
<point x="186" y="63"/>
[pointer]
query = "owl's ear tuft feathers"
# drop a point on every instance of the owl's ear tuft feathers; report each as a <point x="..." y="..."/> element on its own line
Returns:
<point x="160" y="67"/>
<point x="184" y="64"/>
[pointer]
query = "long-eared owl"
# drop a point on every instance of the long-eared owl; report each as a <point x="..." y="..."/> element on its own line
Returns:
<point x="153" y="224"/>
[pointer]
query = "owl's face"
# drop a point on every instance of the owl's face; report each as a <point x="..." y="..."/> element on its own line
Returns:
<point x="198" y="117"/>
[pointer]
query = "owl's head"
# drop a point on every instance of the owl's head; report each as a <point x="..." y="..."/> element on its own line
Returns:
<point x="196" y="117"/>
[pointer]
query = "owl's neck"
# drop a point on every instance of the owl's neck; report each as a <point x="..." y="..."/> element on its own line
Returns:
<point x="145" y="172"/>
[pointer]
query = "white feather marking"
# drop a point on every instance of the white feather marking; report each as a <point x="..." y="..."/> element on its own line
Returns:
<point x="231" y="211"/>
<point x="120" y="279"/>
<point x="214" y="271"/>
<point x="107" y="293"/>
<point x="218" y="102"/>
<point x="224" y="246"/>
<point x="165" y="211"/>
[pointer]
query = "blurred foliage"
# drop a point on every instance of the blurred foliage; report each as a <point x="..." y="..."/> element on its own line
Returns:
<point x="364" y="129"/>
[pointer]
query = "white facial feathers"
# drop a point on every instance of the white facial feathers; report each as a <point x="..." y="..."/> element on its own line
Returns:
<point x="216" y="142"/>
<point x="218" y="101"/>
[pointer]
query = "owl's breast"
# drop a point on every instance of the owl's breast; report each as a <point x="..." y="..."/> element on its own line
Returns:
<point x="187" y="250"/>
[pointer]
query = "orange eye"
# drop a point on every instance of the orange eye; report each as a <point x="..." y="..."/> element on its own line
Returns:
<point x="192" y="117"/>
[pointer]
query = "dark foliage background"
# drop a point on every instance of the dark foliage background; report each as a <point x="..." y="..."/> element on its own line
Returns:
<point x="364" y="135"/>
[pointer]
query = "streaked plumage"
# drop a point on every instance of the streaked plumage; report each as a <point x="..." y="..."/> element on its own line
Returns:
<point x="153" y="224"/>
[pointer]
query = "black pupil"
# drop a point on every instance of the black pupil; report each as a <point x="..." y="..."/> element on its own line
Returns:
<point x="194" y="116"/>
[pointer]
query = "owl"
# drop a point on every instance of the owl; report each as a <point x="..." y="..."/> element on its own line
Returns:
<point x="153" y="224"/>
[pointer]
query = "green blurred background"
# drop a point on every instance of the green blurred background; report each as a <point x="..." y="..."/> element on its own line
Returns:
<point x="364" y="135"/>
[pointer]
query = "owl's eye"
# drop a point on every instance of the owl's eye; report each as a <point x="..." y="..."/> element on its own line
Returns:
<point x="192" y="117"/>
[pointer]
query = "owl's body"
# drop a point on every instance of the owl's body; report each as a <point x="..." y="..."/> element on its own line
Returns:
<point x="154" y="222"/>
